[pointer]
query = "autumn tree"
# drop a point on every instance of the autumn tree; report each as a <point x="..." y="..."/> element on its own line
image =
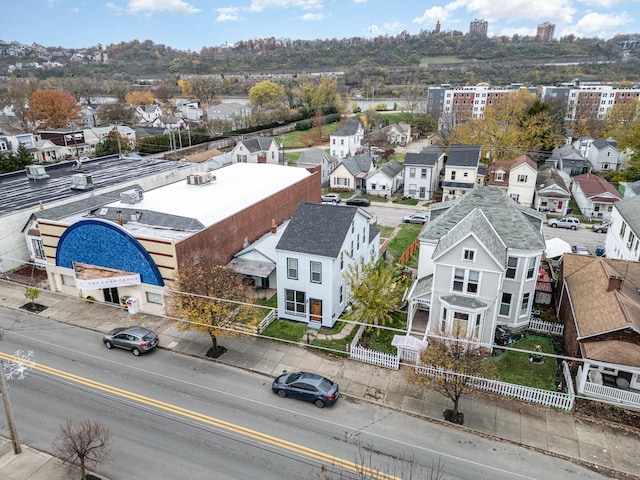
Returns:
<point x="376" y="292"/>
<point x="116" y="113"/>
<point x="211" y="298"/>
<point x="326" y="96"/>
<point x="17" y="96"/>
<point x="266" y="93"/>
<point x="623" y="123"/>
<point x="449" y="364"/>
<point x="165" y="91"/>
<point x="113" y="144"/>
<point x="140" y="97"/>
<point x="414" y="95"/>
<point x="53" y="108"/>
<point x="85" y="444"/>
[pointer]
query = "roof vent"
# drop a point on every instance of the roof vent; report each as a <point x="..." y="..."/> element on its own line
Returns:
<point x="81" y="181"/>
<point x="200" y="178"/>
<point x="36" y="172"/>
<point x="131" y="196"/>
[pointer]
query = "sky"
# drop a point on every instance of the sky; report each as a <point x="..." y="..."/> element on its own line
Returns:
<point x="193" y="24"/>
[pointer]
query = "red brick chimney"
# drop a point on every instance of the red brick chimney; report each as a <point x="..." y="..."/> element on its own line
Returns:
<point x="615" y="283"/>
<point x="274" y="228"/>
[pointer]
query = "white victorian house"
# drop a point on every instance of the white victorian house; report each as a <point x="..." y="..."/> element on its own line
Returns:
<point x="422" y="171"/>
<point x="552" y="193"/>
<point x="478" y="266"/>
<point x="319" y="245"/>
<point x="347" y="140"/>
<point x="316" y="157"/>
<point x="256" y="150"/>
<point x="623" y="238"/>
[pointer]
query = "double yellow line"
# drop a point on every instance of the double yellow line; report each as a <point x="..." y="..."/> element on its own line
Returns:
<point x="215" y="422"/>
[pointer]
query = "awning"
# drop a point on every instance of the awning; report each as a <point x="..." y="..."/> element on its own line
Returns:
<point x="94" y="277"/>
<point x="554" y="247"/>
<point x="253" y="268"/>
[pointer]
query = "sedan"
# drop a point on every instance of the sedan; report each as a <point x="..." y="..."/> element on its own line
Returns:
<point x="307" y="386"/>
<point x="137" y="339"/>
<point x="359" y="202"/>
<point x="415" y="218"/>
<point x="601" y="228"/>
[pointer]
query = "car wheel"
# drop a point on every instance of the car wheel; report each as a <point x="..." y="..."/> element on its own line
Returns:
<point x="135" y="351"/>
<point x="553" y="225"/>
<point x="573" y="227"/>
<point x="319" y="403"/>
<point x="108" y="344"/>
<point x="599" y="230"/>
<point x="282" y="393"/>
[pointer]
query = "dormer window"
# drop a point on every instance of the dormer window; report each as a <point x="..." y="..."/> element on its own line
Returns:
<point x="499" y="176"/>
<point x="469" y="255"/>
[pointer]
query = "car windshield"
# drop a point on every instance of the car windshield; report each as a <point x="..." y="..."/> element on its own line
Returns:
<point x="149" y="336"/>
<point x="326" y="384"/>
<point x="292" y="378"/>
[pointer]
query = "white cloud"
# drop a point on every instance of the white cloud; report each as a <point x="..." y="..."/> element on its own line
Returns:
<point x="259" y="5"/>
<point x="150" y="6"/>
<point x="227" y="14"/>
<point x="75" y="10"/>
<point x="313" y="16"/>
<point x="604" y="3"/>
<point x="557" y="11"/>
<point x="599" y="24"/>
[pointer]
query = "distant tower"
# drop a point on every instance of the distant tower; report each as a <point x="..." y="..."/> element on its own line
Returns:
<point x="545" y="32"/>
<point x="438" y="26"/>
<point x="479" y="27"/>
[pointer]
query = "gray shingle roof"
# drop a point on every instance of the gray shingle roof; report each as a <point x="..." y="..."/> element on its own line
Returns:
<point x="427" y="157"/>
<point x="464" y="155"/>
<point x="318" y="229"/>
<point x="630" y="210"/>
<point x="357" y="164"/>
<point x="257" y="144"/>
<point x="391" y="169"/>
<point x="517" y="227"/>
<point x="348" y="128"/>
<point x="314" y="156"/>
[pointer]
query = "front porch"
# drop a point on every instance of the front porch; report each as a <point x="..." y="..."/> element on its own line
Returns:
<point x="609" y="385"/>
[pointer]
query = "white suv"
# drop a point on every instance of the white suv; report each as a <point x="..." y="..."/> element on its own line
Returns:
<point x="331" y="197"/>
<point x="564" y="222"/>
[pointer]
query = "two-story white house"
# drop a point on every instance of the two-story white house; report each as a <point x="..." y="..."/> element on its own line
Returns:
<point x="256" y="150"/>
<point x="517" y="178"/>
<point x="478" y="265"/>
<point x="398" y="133"/>
<point x="148" y="113"/>
<point x="461" y="170"/>
<point x="319" y="245"/>
<point x="316" y="157"/>
<point x="386" y="180"/>
<point x="603" y="155"/>
<point x="623" y="237"/>
<point x="422" y="171"/>
<point x="552" y="193"/>
<point x="347" y="140"/>
<point x="594" y="195"/>
<point x="351" y="173"/>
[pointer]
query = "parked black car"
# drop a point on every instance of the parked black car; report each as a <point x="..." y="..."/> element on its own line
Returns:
<point x="307" y="386"/>
<point x="359" y="202"/>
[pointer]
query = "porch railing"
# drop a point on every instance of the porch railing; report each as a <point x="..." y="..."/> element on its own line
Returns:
<point x="542" y="326"/>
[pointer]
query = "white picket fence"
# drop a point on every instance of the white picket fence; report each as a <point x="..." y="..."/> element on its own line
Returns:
<point x="366" y="355"/>
<point x="560" y="400"/>
<point x="542" y="326"/>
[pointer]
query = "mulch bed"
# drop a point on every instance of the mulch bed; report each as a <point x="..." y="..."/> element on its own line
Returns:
<point x="598" y="411"/>
<point x="34" y="307"/>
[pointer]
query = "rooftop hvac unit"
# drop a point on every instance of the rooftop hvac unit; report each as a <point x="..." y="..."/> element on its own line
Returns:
<point x="131" y="196"/>
<point x="200" y="178"/>
<point x="81" y="181"/>
<point x="36" y="172"/>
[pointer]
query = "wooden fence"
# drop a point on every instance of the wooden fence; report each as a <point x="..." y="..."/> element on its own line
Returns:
<point x="404" y="259"/>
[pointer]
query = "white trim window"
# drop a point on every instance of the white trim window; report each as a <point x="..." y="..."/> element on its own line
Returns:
<point x="295" y="302"/>
<point x="531" y="268"/>
<point x="153" y="297"/>
<point x="465" y="281"/>
<point x="524" y="306"/>
<point x="512" y="267"/>
<point x="505" y="304"/>
<point x="292" y="268"/>
<point x="469" y="255"/>
<point x="316" y="272"/>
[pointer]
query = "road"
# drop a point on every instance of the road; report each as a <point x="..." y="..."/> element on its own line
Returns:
<point x="178" y="417"/>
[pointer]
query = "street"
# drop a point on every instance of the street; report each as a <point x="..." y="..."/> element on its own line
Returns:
<point x="176" y="416"/>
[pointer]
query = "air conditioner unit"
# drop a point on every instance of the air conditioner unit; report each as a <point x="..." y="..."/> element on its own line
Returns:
<point x="131" y="196"/>
<point x="81" y="181"/>
<point x="36" y="172"/>
<point x="200" y="178"/>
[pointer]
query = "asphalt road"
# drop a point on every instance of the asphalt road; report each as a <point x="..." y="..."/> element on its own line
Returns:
<point x="178" y="417"/>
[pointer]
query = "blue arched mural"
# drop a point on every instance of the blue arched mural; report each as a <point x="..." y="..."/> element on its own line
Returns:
<point x="105" y="244"/>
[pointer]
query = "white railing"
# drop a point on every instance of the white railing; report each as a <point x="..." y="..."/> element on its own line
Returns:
<point x="258" y="328"/>
<point x="542" y="326"/>
<point x="624" y="398"/>
<point x="563" y="401"/>
<point x="374" y="357"/>
<point x="266" y="321"/>
<point x="568" y="379"/>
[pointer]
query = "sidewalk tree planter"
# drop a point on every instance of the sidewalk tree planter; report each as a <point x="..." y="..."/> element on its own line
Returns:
<point x="31" y="294"/>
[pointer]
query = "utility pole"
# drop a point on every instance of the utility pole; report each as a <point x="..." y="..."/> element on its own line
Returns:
<point x="7" y="411"/>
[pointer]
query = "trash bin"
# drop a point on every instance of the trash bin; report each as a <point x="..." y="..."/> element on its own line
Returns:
<point x="132" y="305"/>
<point x="599" y="251"/>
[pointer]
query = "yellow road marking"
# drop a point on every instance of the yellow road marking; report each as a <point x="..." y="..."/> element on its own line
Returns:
<point x="231" y="427"/>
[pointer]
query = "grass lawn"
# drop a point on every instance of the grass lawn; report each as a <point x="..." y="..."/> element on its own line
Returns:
<point x="380" y="339"/>
<point x="408" y="201"/>
<point x="337" y="346"/>
<point x="405" y="237"/>
<point x="515" y="367"/>
<point x="292" y="158"/>
<point x="309" y="138"/>
<point x="286" y="330"/>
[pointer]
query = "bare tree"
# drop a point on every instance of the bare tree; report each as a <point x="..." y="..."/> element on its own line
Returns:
<point x="414" y="95"/>
<point x="84" y="444"/>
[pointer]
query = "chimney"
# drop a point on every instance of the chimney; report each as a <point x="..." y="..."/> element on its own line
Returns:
<point x="615" y="283"/>
<point x="274" y="228"/>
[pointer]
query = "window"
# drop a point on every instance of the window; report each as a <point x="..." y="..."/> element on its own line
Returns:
<point x="38" y="248"/>
<point x="623" y="229"/>
<point x="512" y="267"/>
<point x="499" y="176"/>
<point x="453" y="175"/>
<point x="242" y="158"/>
<point x="515" y="196"/>
<point x="423" y="173"/>
<point x="341" y="260"/>
<point x="469" y="255"/>
<point x="458" y="280"/>
<point x="522" y="178"/>
<point x="472" y="283"/>
<point x="632" y="237"/>
<point x="525" y="304"/>
<point x="316" y="272"/>
<point x="505" y="304"/>
<point x="154" y="298"/>
<point x="465" y="281"/>
<point x="292" y="268"/>
<point x="295" y="302"/>
<point x="476" y="329"/>
<point x="341" y="294"/>
<point x="373" y="186"/>
<point x="460" y="324"/>
<point x="68" y="280"/>
<point x="412" y="172"/>
<point x="531" y="268"/>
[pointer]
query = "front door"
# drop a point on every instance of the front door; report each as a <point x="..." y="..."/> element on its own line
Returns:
<point x="316" y="310"/>
<point x="111" y="295"/>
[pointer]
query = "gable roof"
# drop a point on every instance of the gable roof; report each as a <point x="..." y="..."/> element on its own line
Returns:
<point x="567" y="152"/>
<point x="597" y="188"/>
<point x="360" y="164"/>
<point x="463" y="156"/>
<point x="427" y="157"/>
<point x="629" y="209"/>
<point x="390" y="169"/>
<point x="314" y="156"/>
<point x="318" y="229"/>
<point x="348" y="129"/>
<point x="258" y="144"/>
<point x="517" y="227"/>
<point x="602" y="143"/>
<point x="551" y="177"/>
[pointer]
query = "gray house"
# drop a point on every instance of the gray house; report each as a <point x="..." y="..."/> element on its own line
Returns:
<point x="386" y="180"/>
<point x="317" y="157"/>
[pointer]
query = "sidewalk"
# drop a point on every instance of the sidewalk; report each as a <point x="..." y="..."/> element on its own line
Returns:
<point x="610" y="449"/>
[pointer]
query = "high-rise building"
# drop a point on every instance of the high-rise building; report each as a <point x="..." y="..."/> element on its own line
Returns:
<point x="438" y="26"/>
<point x="545" y="32"/>
<point x="479" y="26"/>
